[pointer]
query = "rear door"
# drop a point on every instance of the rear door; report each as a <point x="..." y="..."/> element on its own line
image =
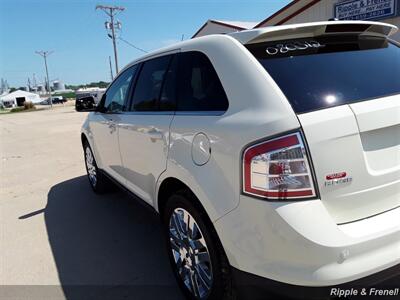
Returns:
<point x="345" y="90"/>
<point x="144" y="127"/>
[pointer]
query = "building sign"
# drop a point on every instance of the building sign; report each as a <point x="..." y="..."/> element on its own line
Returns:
<point x="365" y="9"/>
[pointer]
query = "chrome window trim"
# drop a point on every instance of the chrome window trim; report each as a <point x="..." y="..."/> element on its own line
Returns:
<point x="177" y="113"/>
<point x="200" y="113"/>
<point x="148" y="113"/>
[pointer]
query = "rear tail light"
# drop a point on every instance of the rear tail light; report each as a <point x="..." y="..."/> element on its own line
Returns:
<point x="278" y="169"/>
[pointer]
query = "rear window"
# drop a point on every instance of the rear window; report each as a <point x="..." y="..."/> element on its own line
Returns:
<point x="321" y="72"/>
<point x="199" y="87"/>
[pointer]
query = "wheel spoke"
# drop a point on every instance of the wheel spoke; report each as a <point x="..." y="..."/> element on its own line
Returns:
<point x="186" y="221"/>
<point x="197" y="245"/>
<point x="177" y="224"/>
<point x="176" y="242"/>
<point x="185" y="274"/>
<point x="194" y="284"/>
<point x="191" y="228"/>
<point x="205" y="278"/>
<point x="202" y="257"/>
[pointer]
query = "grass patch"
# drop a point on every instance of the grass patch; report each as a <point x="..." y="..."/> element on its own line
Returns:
<point x="28" y="106"/>
<point x="20" y="109"/>
<point x="65" y="95"/>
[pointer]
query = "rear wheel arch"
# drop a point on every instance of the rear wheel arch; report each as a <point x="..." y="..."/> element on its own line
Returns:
<point x="171" y="186"/>
<point x="168" y="187"/>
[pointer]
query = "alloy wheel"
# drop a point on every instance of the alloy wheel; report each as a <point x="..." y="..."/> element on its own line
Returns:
<point x="91" y="166"/>
<point x="190" y="253"/>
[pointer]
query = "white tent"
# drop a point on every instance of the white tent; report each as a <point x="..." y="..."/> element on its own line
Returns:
<point x="19" y="97"/>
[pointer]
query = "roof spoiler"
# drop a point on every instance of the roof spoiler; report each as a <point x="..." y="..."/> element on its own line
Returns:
<point x="294" y="31"/>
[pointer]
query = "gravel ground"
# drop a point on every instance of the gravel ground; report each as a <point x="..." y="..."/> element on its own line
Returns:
<point x="58" y="239"/>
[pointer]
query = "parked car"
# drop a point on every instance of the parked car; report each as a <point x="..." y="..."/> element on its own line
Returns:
<point x="55" y="100"/>
<point x="270" y="154"/>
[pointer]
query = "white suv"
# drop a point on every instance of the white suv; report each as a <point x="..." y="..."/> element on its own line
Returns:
<point x="272" y="155"/>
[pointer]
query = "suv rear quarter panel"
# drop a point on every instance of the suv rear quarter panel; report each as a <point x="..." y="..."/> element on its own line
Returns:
<point x="257" y="110"/>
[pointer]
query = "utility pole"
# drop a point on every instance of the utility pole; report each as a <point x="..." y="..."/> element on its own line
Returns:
<point x="111" y="11"/>
<point x="44" y="54"/>
<point x="111" y="72"/>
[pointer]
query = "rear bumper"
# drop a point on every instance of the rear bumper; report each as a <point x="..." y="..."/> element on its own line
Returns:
<point x="250" y="286"/>
<point x="298" y="243"/>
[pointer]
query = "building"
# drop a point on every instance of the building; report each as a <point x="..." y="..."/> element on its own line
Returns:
<point x="218" y="26"/>
<point x="58" y="85"/>
<point x="303" y="11"/>
<point x="18" y="98"/>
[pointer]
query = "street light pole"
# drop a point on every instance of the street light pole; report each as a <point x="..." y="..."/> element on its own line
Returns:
<point x="44" y="54"/>
<point x="111" y="11"/>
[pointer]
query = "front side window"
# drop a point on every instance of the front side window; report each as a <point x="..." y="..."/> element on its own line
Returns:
<point x="320" y="72"/>
<point x="199" y="88"/>
<point x="117" y="93"/>
<point x="149" y="84"/>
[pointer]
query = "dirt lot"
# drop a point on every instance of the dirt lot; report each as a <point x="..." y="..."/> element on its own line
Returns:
<point x="58" y="240"/>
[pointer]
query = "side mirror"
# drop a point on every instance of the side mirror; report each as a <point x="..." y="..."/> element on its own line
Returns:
<point x="85" y="104"/>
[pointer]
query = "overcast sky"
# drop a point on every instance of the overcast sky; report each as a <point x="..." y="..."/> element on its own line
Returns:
<point x="76" y="33"/>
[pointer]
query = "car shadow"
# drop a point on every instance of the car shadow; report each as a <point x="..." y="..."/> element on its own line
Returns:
<point x="106" y="246"/>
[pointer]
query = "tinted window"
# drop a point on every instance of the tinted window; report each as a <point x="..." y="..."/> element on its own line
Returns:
<point x="199" y="88"/>
<point x="118" y="91"/>
<point x="168" y="94"/>
<point x="149" y="84"/>
<point x="329" y="71"/>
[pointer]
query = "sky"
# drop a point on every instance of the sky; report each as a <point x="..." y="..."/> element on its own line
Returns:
<point x="75" y="31"/>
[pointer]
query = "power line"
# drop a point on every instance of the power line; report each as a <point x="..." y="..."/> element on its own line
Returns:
<point x="45" y="54"/>
<point x="111" y="11"/>
<point x="132" y="45"/>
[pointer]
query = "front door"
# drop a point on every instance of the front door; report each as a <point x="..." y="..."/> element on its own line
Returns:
<point x="104" y="125"/>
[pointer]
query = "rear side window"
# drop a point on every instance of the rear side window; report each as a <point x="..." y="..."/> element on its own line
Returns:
<point x="321" y="72"/>
<point x="149" y="83"/>
<point x="199" y="88"/>
<point x="169" y="88"/>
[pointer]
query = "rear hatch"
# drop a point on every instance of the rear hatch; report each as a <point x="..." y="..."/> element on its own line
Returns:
<point x="344" y="86"/>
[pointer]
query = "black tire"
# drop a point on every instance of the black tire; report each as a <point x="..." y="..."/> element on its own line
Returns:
<point x="222" y="282"/>
<point x="101" y="184"/>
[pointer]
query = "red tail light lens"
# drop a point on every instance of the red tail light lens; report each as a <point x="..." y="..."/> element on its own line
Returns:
<point x="278" y="169"/>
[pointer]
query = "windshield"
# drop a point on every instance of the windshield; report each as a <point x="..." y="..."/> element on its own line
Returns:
<point x="320" y="72"/>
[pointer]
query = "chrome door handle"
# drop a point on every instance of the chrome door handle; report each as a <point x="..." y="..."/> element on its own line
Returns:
<point x="155" y="135"/>
<point x="112" y="126"/>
